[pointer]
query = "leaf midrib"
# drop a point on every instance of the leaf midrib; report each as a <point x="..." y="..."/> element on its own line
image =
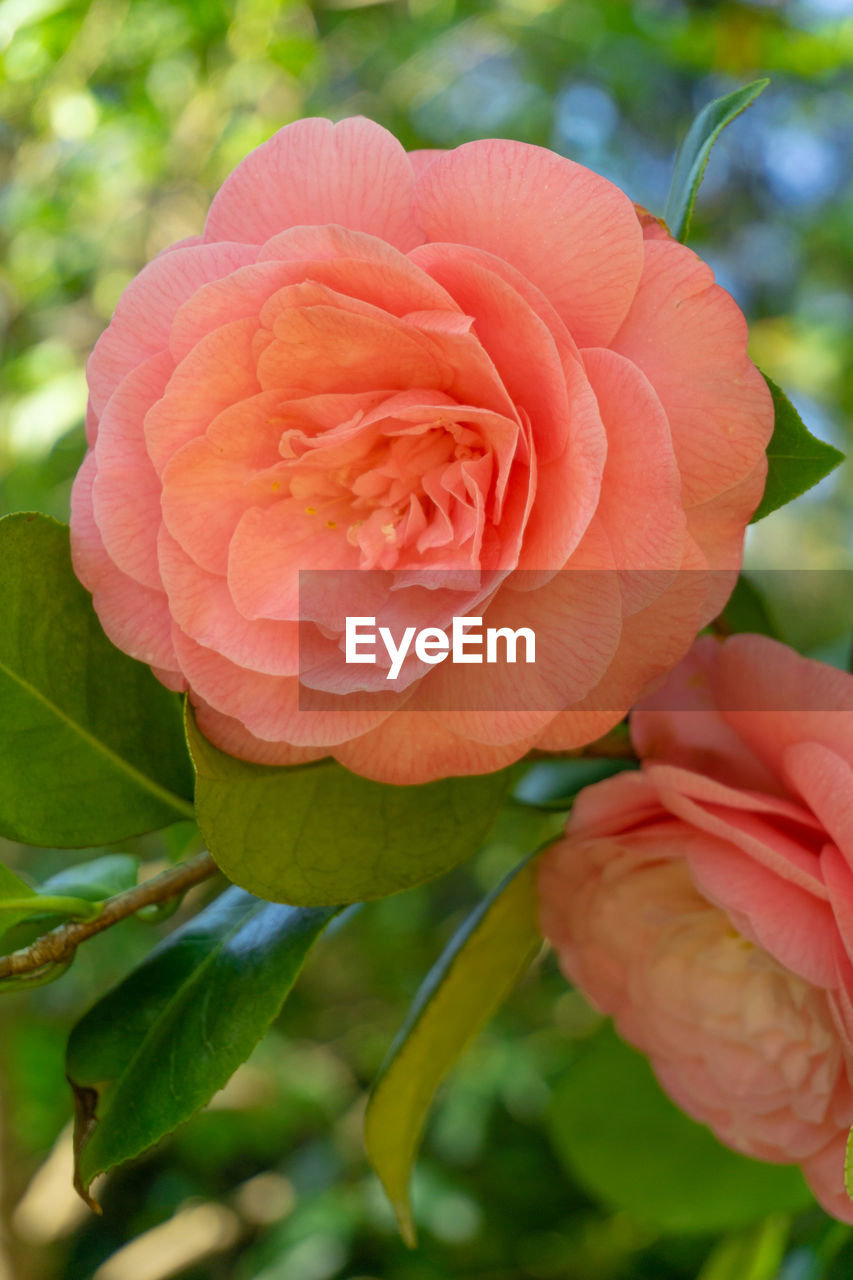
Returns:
<point x="118" y="762"/>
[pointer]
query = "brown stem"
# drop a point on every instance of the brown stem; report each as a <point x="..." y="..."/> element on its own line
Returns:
<point x="615" y="745"/>
<point x="58" y="946"/>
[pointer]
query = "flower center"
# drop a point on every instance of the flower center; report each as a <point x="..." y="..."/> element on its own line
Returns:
<point x="389" y="487"/>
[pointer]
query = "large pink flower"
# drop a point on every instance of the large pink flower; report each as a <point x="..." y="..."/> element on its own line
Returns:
<point x="470" y="369"/>
<point x="707" y="901"/>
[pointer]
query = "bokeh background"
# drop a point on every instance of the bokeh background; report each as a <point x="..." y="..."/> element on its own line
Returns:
<point x="119" y="120"/>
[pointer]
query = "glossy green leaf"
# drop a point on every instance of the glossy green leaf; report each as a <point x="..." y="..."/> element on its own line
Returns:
<point x="91" y="746"/>
<point x="627" y="1144"/>
<point x="477" y="971"/>
<point x="100" y="878"/>
<point x="695" y="150"/>
<point x="796" y="460"/>
<point x="747" y="610"/>
<point x="319" y="834"/>
<point x="161" y="1043"/>
<point x="755" y="1254"/>
<point x="14" y="890"/>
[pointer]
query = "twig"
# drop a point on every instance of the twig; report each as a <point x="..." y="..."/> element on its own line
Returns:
<point x="58" y="946"/>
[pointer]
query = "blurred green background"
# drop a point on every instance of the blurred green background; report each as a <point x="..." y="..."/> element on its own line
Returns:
<point x="119" y="120"/>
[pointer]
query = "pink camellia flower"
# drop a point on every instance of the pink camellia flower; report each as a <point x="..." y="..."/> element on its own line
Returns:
<point x="467" y="370"/>
<point x="706" y="902"/>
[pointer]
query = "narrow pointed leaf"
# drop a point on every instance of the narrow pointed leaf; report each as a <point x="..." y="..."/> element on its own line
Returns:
<point x="756" y="1254"/>
<point x="159" y="1045"/>
<point x="91" y="745"/>
<point x="796" y="460"/>
<point x="472" y="978"/>
<point x="320" y="834"/>
<point x="694" y="151"/>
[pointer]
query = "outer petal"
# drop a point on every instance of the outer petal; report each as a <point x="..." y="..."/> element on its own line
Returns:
<point x="143" y="317"/>
<point x="640" y="504"/>
<point x="571" y="232"/>
<point x="679" y="723"/>
<point x="689" y="337"/>
<point x="234" y="738"/>
<point x="267" y="705"/>
<point x="201" y="605"/>
<point x="775" y="698"/>
<point x="126" y="490"/>
<point x="354" y="173"/>
<point x="415" y="746"/>
<point x="135" y="617"/>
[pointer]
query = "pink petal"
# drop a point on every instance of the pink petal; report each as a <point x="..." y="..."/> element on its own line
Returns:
<point x="824" y="1173"/>
<point x="234" y="738"/>
<point x="776" y="833"/>
<point x="212" y="480"/>
<point x="267" y="705"/>
<point x="218" y="372"/>
<point x="825" y="782"/>
<point x="615" y="806"/>
<point x="423" y="158"/>
<point x="571" y="232"/>
<point x="143" y="317"/>
<point x="267" y="552"/>
<point x="354" y="173"/>
<point x="679" y="723"/>
<point x="719" y="524"/>
<point x="364" y="268"/>
<point x="415" y="746"/>
<point x="788" y="922"/>
<point x="201" y="605"/>
<point x="126" y="490"/>
<point x="438" y="258"/>
<point x="774" y="698"/>
<point x="135" y="617"/>
<point x="640" y="503"/>
<point x="689" y="338"/>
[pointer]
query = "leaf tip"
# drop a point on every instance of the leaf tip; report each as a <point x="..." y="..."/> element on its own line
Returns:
<point x="85" y="1122"/>
<point x="405" y="1223"/>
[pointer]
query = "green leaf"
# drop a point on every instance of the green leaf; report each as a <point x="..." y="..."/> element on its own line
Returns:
<point x="477" y="971"/>
<point x="161" y="1043"/>
<point x="14" y="889"/>
<point x="101" y="878"/>
<point x="755" y="1254"/>
<point x="91" y="748"/>
<point x="796" y="460"/>
<point x="694" y="151"/>
<point x="626" y="1143"/>
<point x="319" y="834"/>
<point x="747" y="610"/>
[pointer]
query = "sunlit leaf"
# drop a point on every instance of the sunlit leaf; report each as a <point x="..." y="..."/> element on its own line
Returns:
<point x="478" y="969"/>
<point x="796" y="460"/>
<point x="695" y="150"/>
<point x="320" y="834"/>
<point x="91" y="747"/>
<point x="161" y="1043"/>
